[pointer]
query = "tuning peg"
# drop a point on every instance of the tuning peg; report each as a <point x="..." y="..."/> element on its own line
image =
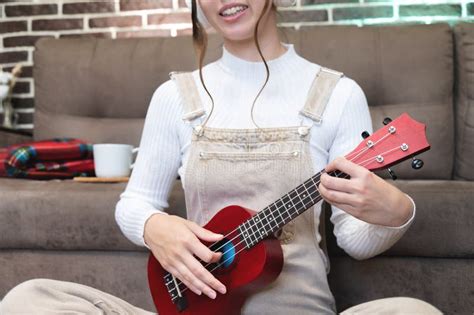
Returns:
<point x="365" y="134"/>
<point x="417" y="164"/>
<point x="387" y="120"/>
<point x="392" y="174"/>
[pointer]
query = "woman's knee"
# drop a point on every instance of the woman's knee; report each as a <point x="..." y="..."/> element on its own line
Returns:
<point x="420" y="306"/>
<point x="395" y="306"/>
<point x="24" y="292"/>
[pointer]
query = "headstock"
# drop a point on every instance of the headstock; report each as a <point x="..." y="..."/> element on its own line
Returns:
<point x="397" y="141"/>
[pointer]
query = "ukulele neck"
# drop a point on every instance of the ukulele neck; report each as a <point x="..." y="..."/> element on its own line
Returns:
<point x="273" y="217"/>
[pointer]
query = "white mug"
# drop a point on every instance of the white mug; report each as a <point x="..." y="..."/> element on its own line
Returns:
<point x="113" y="160"/>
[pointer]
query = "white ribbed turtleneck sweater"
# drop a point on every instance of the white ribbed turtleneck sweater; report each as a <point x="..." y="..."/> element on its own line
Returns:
<point x="234" y="82"/>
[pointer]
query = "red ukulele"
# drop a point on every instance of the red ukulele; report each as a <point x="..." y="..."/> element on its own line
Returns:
<point x="252" y="256"/>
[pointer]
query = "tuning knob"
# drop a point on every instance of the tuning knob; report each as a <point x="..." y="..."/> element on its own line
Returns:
<point x="365" y="134"/>
<point x="392" y="174"/>
<point x="417" y="164"/>
<point x="387" y="120"/>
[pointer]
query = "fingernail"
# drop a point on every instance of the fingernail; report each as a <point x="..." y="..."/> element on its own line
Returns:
<point x="222" y="290"/>
<point x="213" y="295"/>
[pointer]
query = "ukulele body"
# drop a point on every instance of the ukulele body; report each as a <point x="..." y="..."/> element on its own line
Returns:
<point x="244" y="271"/>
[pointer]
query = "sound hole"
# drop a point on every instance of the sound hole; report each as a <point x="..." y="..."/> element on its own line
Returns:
<point x="228" y="252"/>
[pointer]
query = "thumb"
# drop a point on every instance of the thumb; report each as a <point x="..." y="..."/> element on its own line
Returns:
<point x="204" y="234"/>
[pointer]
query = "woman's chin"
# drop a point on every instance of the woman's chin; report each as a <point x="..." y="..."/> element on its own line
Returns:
<point x="237" y="35"/>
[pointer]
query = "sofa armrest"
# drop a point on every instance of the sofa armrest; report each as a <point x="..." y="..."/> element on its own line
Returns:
<point x="9" y="137"/>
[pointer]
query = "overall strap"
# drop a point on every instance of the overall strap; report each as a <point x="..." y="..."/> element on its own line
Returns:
<point x="319" y="93"/>
<point x="188" y="90"/>
<point x="316" y="101"/>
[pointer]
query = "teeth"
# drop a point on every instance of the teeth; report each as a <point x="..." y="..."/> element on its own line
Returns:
<point x="233" y="10"/>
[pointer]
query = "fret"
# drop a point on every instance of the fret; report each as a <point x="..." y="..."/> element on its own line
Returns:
<point x="278" y="220"/>
<point x="302" y="201"/>
<point x="292" y="207"/>
<point x="292" y="204"/>
<point x="286" y="211"/>
<point x="247" y="237"/>
<point x="265" y="223"/>
<point x="296" y="199"/>
<point x="311" y="191"/>
<point x="273" y="218"/>
<point x="244" y="234"/>
<point x="250" y="232"/>
<point x="308" y="197"/>
<point x="257" y="227"/>
<point x="315" y="185"/>
<point x="309" y="194"/>
<point x="279" y="212"/>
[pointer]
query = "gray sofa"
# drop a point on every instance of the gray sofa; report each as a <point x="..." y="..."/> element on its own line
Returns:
<point x="99" y="90"/>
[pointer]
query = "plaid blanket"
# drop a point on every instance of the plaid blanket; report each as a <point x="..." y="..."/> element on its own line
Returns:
<point x="56" y="158"/>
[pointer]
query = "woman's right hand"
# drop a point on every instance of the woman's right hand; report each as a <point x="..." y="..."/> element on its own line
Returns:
<point x="174" y="241"/>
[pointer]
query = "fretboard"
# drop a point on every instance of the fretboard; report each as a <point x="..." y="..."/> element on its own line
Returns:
<point x="288" y="207"/>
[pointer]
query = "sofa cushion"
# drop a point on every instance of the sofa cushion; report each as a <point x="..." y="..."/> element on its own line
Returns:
<point x="443" y="221"/>
<point x="119" y="130"/>
<point x="64" y="214"/>
<point x="438" y="118"/>
<point x="464" y="163"/>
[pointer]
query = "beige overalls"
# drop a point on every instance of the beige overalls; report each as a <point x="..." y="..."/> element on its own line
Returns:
<point x="253" y="168"/>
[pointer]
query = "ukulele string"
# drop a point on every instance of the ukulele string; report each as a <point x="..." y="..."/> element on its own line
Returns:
<point x="363" y="163"/>
<point x="383" y="153"/>
<point x="223" y="262"/>
<point x="357" y="154"/>
<point x="352" y="159"/>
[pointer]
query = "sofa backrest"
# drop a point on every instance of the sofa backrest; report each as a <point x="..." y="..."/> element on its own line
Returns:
<point x="464" y="165"/>
<point x="99" y="89"/>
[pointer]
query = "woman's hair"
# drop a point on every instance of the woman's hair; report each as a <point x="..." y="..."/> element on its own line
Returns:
<point x="200" y="46"/>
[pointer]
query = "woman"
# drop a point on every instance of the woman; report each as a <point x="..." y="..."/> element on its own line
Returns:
<point x="239" y="151"/>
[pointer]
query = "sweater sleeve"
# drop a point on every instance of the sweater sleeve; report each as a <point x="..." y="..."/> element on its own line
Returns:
<point x="359" y="239"/>
<point x="156" y="165"/>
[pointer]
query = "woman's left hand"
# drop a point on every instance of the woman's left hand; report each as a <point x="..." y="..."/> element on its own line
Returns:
<point x="365" y="195"/>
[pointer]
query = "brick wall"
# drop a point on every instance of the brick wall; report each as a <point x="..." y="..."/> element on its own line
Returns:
<point x="22" y="22"/>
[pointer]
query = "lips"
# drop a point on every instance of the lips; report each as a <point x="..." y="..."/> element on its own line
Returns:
<point x="232" y="9"/>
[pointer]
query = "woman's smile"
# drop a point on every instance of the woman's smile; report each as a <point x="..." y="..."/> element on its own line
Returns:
<point x="233" y="12"/>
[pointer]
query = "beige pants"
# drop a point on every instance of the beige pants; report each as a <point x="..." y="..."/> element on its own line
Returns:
<point x="43" y="296"/>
